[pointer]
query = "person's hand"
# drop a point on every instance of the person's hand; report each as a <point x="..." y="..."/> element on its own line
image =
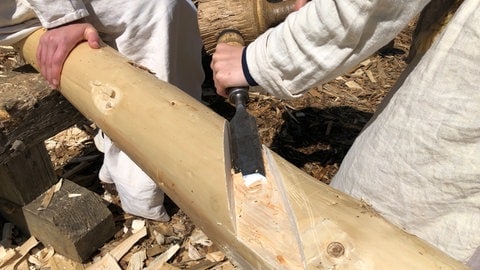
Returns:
<point x="55" y="45"/>
<point x="227" y="68"/>
<point x="299" y="4"/>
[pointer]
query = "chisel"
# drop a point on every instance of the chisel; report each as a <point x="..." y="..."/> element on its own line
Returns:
<point x="245" y="146"/>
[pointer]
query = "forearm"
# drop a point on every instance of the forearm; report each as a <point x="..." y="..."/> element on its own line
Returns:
<point x="324" y="39"/>
<point x="53" y="13"/>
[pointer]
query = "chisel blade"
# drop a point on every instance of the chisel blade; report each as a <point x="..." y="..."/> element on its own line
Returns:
<point x="245" y="145"/>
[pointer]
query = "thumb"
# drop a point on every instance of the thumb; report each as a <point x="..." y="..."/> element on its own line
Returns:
<point x="91" y="36"/>
<point x="299" y="4"/>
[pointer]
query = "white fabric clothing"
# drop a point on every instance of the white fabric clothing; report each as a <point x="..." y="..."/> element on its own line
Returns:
<point x="17" y="20"/>
<point x="160" y="35"/>
<point x="418" y="160"/>
<point x="323" y="40"/>
<point x="138" y="193"/>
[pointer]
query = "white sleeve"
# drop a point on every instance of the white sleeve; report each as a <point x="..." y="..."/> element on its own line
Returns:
<point x="324" y="39"/>
<point x="53" y="13"/>
<point x="16" y="21"/>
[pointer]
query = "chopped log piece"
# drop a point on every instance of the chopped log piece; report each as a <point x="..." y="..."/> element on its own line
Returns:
<point x="74" y="226"/>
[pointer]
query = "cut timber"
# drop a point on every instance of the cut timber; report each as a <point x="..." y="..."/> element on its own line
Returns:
<point x="181" y="144"/>
<point x="74" y="225"/>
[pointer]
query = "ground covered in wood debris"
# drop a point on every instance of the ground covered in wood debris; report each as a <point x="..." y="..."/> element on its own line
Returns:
<point x="313" y="132"/>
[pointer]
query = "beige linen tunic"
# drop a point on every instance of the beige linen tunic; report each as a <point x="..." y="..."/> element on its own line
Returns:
<point x="418" y="161"/>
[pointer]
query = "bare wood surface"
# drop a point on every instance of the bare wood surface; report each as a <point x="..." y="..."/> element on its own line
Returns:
<point x="181" y="144"/>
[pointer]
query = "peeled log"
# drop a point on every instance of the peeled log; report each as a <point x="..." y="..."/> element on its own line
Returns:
<point x="291" y="221"/>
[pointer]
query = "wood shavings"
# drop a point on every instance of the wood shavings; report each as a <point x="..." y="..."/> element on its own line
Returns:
<point x="159" y="237"/>
<point x="353" y="85"/>
<point x="216" y="256"/>
<point x="6" y="255"/>
<point x="50" y="192"/>
<point x="163" y="258"/>
<point x="137" y="260"/>
<point x="119" y="251"/>
<point x="20" y="253"/>
<point x="49" y="195"/>
<point x="137" y="225"/>
<point x="66" y="145"/>
<point x="41" y="258"/>
<point x="199" y="237"/>
<point x="193" y="253"/>
<point x="370" y="76"/>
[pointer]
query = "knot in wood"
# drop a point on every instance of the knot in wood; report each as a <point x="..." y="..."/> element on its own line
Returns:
<point x="335" y="249"/>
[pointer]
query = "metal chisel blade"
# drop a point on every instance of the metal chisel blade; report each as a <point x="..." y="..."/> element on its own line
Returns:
<point x="245" y="146"/>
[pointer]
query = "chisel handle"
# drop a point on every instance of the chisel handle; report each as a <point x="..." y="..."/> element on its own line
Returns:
<point x="236" y="95"/>
<point x="232" y="37"/>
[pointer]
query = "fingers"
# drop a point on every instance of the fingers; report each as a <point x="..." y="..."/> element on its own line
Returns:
<point x="92" y="37"/>
<point x="56" y="65"/>
<point x="46" y="55"/>
<point x="56" y="44"/>
<point x="227" y="68"/>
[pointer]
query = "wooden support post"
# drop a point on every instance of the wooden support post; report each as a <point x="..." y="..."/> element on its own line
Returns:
<point x="183" y="145"/>
<point x="76" y="222"/>
<point x="29" y="114"/>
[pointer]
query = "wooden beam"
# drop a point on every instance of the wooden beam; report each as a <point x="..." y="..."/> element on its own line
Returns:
<point x="182" y="144"/>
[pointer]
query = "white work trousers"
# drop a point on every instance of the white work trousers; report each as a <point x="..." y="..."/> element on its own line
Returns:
<point x="418" y="160"/>
<point x="162" y="36"/>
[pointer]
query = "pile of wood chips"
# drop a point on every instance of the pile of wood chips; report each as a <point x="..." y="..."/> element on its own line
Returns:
<point x="139" y="245"/>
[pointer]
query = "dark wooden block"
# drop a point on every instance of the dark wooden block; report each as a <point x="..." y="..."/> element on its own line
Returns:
<point x="76" y="222"/>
